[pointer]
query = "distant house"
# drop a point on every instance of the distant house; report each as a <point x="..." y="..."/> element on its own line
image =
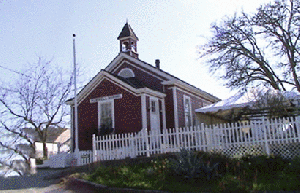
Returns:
<point x="58" y="140"/>
<point x="55" y="144"/>
<point x="130" y="94"/>
<point x="244" y="106"/>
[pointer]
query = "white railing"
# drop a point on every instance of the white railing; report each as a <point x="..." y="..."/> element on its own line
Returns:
<point x="279" y="136"/>
<point x="85" y="157"/>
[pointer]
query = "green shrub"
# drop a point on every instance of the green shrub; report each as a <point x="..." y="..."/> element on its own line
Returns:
<point x="294" y="166"/>
<point x="263" y="164"/>
<point x="222" y="160"/>
<point x="188" y="165"/>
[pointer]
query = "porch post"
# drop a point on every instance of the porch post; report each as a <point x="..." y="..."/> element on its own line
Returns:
<point x="163" y="113"/>
<point x="94" y="148"/>
<point x="144" y="111"/>
<point x="175" y="107"/>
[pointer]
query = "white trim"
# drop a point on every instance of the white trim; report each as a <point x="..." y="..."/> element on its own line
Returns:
<point x="120" y="64"/>
<point x="144" y="111"/>
<point x="139" y="62"/>
<point x="175" y="107"/>
<point x="163" y="112"/>
<point x="112" y="112"/>
<point x="106" y="76"/>
<point x="132" y="36"/>
<point x="130" y="72"/>
<point x="202" y="98"/>
<point x="118" y="61"/>
<point x="192" y="90"/>
<point x="151" y="92"/>
<point x="190" y="105"/>
<point x="116" y="96"/>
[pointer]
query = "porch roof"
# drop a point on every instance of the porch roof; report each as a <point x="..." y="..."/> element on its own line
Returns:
<point x="243" y="100"/>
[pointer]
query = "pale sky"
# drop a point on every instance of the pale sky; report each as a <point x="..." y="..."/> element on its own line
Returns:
<point x="167" y="30"/>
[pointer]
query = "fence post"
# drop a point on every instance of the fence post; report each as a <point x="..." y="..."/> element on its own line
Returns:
<point x="145" y="139"/>
<point x="297" y="125"/>
<point x="94" y="148"/>
<point x="165" y="143"/>
<point x="265" y="136"/>
<point x="207" y="136"/>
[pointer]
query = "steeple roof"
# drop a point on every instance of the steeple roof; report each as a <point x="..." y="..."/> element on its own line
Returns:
<point x="127" y="32"/>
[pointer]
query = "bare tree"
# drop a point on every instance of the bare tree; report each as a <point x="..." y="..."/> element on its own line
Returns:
<point x="35" y="101"/>
<point x="273" y="103"/>
<point x="261" y="48"/>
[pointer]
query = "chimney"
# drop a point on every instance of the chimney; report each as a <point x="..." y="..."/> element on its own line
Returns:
<point x="157" y="63"/>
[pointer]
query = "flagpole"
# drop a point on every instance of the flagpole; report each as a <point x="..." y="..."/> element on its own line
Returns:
<point x="75" y="101"/>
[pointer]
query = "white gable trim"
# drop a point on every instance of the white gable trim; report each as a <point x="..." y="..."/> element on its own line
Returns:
<point x="115" y="62"/>
<point x="112" y="67"/>
<point x="137" y="68"/>
<point x="106" y="76"/>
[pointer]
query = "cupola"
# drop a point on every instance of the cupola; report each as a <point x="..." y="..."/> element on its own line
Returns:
<point x="128" y="41"/>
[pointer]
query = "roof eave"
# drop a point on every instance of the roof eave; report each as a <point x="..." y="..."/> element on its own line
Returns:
<point x="181" y="84"/>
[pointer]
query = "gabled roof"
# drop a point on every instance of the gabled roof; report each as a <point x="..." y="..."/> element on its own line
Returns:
<point x="171" y="80"/>
<point x="135" y="85"/>
<point x="127" y="32"/>
<point x="132" y="86"/>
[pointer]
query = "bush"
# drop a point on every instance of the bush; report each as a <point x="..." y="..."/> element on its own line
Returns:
<point x="264" y="164"/>
<point x="294" y="166"/>
<point x="188" y="165"/>
<point x="222" y="160"/>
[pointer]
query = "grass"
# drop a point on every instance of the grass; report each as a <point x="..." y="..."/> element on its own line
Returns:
<point x="265" y="173"/>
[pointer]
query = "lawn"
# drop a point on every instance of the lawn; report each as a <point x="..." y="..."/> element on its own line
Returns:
<point x="203" y="172"/>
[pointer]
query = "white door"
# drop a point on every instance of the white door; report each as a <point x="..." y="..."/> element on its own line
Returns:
<point x="154" y="115"/>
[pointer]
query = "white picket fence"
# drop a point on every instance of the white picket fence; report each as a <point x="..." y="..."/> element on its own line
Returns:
<point x="85" y="157"/>
<point x="278" y="137"/>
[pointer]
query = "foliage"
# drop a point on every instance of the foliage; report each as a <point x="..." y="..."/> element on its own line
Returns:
<point x="143" y="176"/>
<point x="294" y="166"/>
<point x="188" y="165"/>
<point x="273" y="102"/>
<point x="251" y="173"/>
<point x="259" y="48"/>
<point x="264" y="164"/>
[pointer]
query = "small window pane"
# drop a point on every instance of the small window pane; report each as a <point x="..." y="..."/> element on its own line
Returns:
<point x="153" y="109"/>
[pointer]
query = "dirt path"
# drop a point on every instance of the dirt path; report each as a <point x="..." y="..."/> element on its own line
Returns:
<point x="31" y="183"/>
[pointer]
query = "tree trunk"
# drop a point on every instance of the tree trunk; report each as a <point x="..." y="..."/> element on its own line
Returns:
<point x="45" y="152"/>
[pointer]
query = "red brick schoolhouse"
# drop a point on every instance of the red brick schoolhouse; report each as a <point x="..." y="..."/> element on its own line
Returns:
<point x="130" y="94"/>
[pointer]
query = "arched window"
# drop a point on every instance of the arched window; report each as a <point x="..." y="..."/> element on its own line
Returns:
<point x="126" y="73"/>
<point x="125" y="47"/>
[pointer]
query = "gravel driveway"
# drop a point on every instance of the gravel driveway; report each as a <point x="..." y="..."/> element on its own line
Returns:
<point x="39" y="182"/>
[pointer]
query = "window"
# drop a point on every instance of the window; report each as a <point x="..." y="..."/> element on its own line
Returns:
<point x="187" y="111"/>
<point x="153" y="107"/>
<point x="126" y="73"/>
<point x="125" y="47"/>
<point x="106" y="117"/>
